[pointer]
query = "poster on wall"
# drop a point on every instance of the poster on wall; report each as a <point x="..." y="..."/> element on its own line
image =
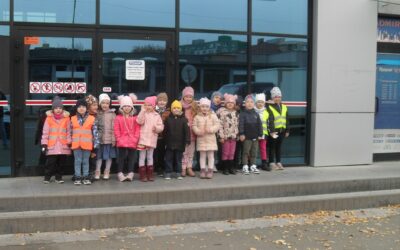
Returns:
<point x="388" y="30"/>
<point x="387" y="111"/>
<point x="135" y="69"/>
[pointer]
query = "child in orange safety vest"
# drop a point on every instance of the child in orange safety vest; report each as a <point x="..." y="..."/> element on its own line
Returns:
<point x="55" y="141"/>
<point x="84" y="139"/>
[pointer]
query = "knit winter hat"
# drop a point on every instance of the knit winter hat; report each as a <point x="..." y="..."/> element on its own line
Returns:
<point x="187" y="91"/>
<point x="260" y="97"/>
<point x="205" y="101"/>
<point x="230" y="98"/>
<point x="275" y="91"/>
<point x="151" y="100"/>
<point x="104" y="97"/>
<point x="57" y="103"/>
<point x="81" y="102"/>
<point x="125" y="101"/>
<point x="176" y="104"/>
<point x="249" y="97"/>
<point x="162" y="96"/>
<point x="216" y="93"/>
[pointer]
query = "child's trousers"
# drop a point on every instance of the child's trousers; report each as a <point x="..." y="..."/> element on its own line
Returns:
<point x="53" y="166"/>
<point x="124" y="153"/>
<point x="228" y="150"/>
<point x="263" y="149"/>
<point x="187" y="160"/>
<point x="275" y="148"/>
<point x="172" y="156"/>
<point x="249" y="152"/>
<point x="81" y="162"/>
<point x="146" y="154"/>
<point x="204" y="156"/>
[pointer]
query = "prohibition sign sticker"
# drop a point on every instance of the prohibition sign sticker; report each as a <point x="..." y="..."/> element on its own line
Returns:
<point x="69" y="87"/>
<point x="58" y="87"/>
<point x="80" y="87"/>
<point x="46" y="87"/>
<point x="34" y="87"/>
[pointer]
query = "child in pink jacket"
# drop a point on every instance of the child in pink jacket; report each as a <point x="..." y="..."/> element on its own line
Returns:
<point x="127" y="132"/>
<point x="151" y="125"/>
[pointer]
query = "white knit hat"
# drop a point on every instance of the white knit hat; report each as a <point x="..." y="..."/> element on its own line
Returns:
<point x="260" y="97"/>
<point x="204" y="101"/>
<point x="103" y="97"/>
<point x="275" y="91"/>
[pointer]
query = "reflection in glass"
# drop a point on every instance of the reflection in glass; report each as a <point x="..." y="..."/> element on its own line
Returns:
<point x="54" y="59"/>
<point x="209" y="61"/>
<point x="155" y="13"/>
<point x="5" y="10"/>
<point x="115" y="54"/>
<point x="283" y="63"/>
<point x="214" y="14"/>
<point x="5" y="169"/>
<point x="284" y="17"/>
<point x="50" y="11"/>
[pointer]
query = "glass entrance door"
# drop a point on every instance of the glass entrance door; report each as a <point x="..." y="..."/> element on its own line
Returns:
<point x="122" y="70"/>
<point x="48" y="64"/>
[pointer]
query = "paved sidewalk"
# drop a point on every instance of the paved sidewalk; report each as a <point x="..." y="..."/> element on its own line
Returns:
<point x="33" y="186"/>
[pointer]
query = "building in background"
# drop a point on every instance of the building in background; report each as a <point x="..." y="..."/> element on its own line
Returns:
<point x="321" y="53"/>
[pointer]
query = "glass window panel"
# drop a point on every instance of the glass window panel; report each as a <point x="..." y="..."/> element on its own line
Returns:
<point x="115" y="54"/>
<point x="5" y="10"/>
<point x="50" y="11"/>
<point x="211" y="61"/>
<point x="287" y="17"/>
<point x="283" y="63"/>
<point x="156" y="13"/>
<point x="5" y="169"/>
<point x="54" y="59"/>
<point x="214" y="14"/>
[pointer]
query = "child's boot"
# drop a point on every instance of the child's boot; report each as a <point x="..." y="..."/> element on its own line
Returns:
<point x="190" y="172"/>
<point x="97" y="175"/>
<point x="183" y="172"/>
<point x="149" y="171"/>
<point x="202" y="173"/>
<point x="142" y="174"/>
<point x="129" y="177"/>
<point x="224" y="166"/>
<point x="210" y="173"/>
<point x="231" y="166"/>
<point x="106" y="174"/>
<point x="121" y="177"/>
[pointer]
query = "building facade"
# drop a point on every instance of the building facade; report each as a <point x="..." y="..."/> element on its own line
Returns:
<point x="322" y="54"/>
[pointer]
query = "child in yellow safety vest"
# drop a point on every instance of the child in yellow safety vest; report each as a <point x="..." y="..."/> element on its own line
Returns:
<point x="278" y="129"/>
<point x="84" y="139"/>
<point x="55" y="141"/>
<point x="264" y="115"/>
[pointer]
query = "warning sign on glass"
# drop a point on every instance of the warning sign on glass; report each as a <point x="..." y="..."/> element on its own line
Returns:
<point x="134" y="69"/>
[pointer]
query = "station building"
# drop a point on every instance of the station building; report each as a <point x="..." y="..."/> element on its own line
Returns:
<point x="322" y="54"/>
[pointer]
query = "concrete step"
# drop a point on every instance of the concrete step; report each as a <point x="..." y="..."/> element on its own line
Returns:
<point x="111" y="194"/>
<point x="145" y="215"/>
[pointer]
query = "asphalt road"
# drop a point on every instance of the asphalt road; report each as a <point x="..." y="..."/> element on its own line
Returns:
<point x="359" y="229"/>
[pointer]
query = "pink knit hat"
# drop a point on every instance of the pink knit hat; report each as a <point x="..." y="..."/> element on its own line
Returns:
<point x="127" y="100"/>
<point x="152" y="100"/>
<point x="187" y="91"/>
<point x="230" y="98"/>
<point x="205" y="101"/>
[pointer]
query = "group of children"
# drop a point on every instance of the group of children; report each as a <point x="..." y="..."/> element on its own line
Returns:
<point x="220" y="126"/>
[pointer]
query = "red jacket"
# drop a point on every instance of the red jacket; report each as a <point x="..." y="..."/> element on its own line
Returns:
<point x="126" y="131"/>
